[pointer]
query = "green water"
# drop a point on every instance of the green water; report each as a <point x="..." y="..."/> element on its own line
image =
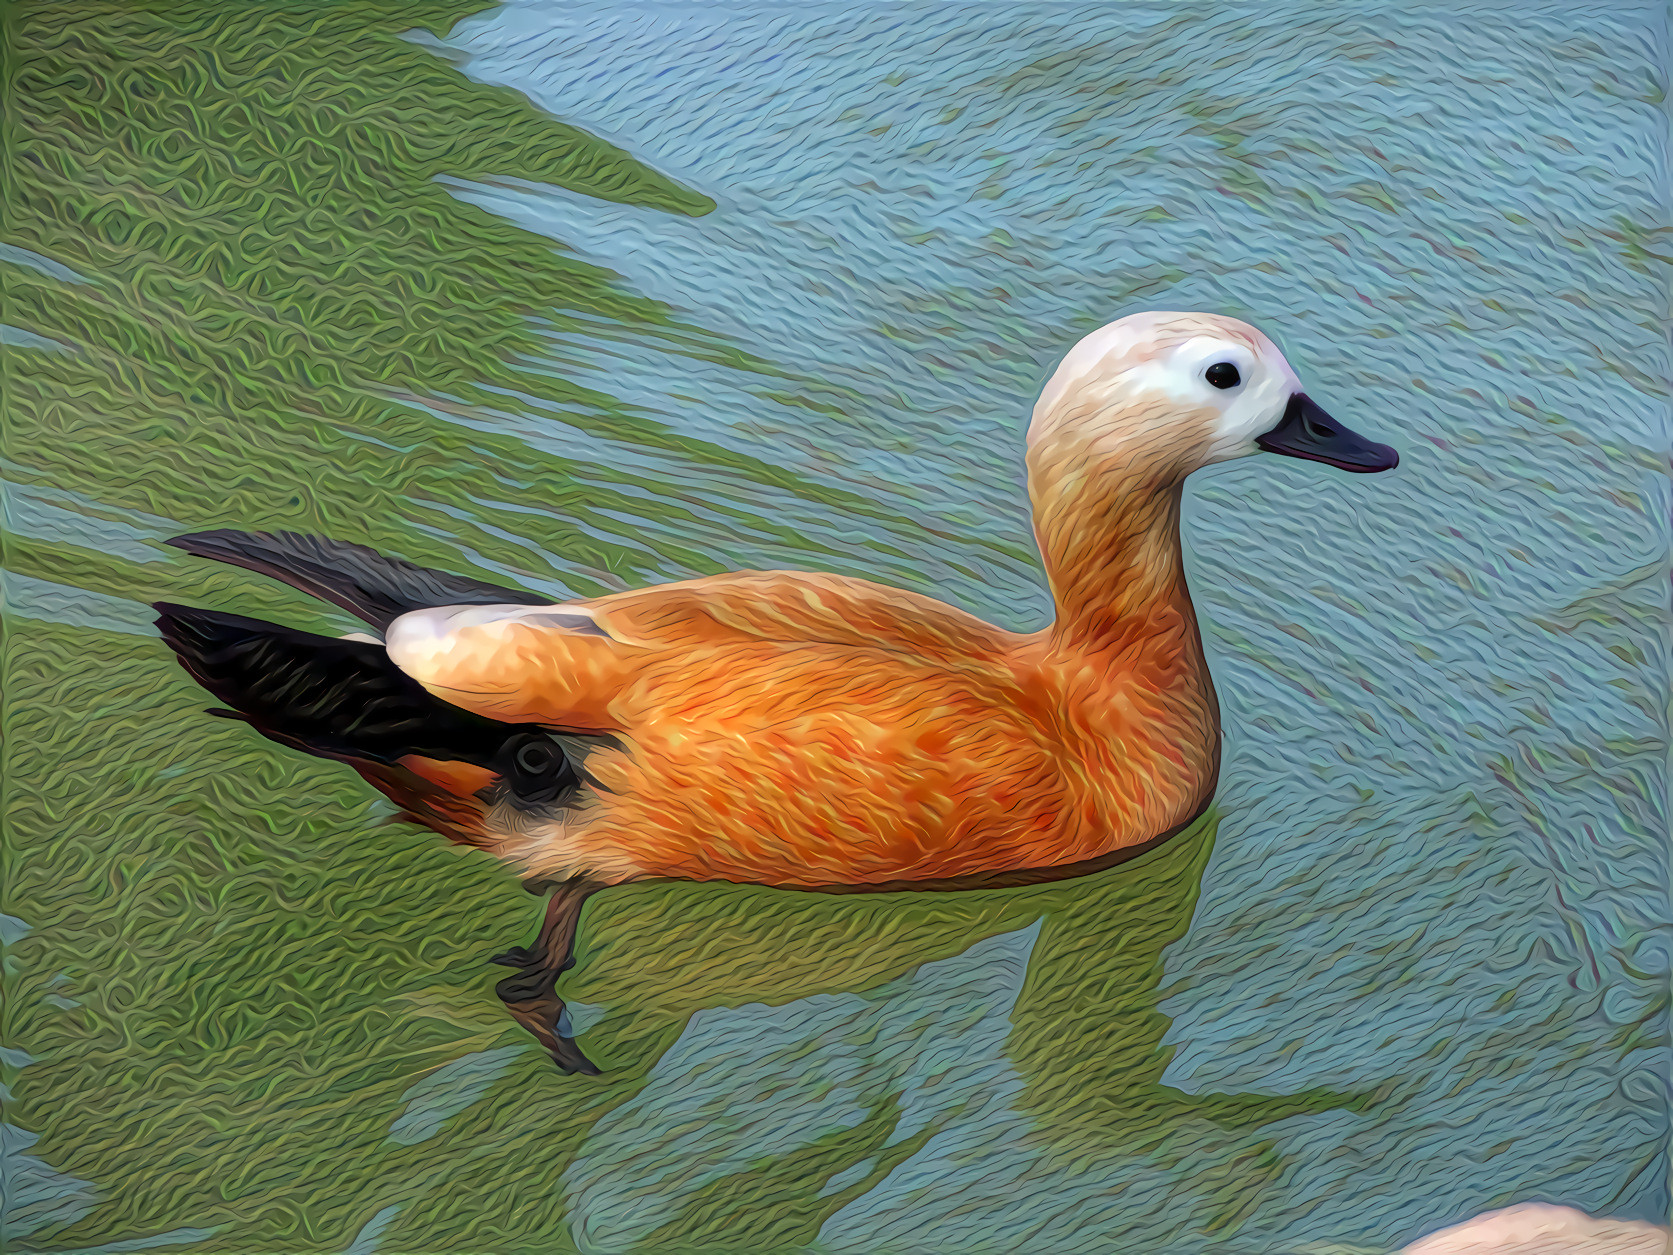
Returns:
<point x="236" y="970"/>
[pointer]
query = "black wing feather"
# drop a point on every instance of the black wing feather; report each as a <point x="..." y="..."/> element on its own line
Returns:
<point x="341" y="699"/>
<point x="366" y="583"/>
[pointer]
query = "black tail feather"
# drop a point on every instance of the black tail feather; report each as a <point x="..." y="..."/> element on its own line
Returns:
<point x="358" y="579"/>
<point x="337" y="698"/>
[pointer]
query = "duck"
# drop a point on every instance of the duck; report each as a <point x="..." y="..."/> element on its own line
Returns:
<point x="793" y="729"/>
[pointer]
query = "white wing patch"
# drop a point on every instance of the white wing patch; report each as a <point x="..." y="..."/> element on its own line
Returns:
<point x="419" y="637"/>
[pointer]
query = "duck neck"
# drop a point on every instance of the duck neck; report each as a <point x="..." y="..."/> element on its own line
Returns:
<point x="1125" y="651"/>
<point x="1108" y="529"/>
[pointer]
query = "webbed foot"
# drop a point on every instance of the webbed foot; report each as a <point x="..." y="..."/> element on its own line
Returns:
<point x="531" y="995"/>
<point x="533" y="1002"/>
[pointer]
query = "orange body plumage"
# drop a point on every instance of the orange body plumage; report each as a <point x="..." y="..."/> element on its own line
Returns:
<point x="810" y="731"/>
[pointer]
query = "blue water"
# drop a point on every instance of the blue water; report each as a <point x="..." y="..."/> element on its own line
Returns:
<point x="1444" y="860"/>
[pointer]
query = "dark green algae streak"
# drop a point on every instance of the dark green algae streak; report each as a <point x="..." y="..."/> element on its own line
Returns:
<point x="236" y="965"/>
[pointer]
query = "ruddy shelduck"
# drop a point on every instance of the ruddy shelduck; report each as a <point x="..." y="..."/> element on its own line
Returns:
<point x="790" y="729"/>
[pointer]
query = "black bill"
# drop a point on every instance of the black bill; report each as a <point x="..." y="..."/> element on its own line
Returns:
<point x="1308" y="432"/>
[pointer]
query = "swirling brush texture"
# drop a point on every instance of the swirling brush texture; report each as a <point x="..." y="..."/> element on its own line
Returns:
<point x="777" y="291"/>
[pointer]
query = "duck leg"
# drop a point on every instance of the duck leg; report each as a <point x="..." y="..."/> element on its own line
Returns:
<point x="531" y="995"/>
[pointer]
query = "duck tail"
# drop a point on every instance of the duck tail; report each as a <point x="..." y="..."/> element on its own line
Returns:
<point x="355" y="578"/>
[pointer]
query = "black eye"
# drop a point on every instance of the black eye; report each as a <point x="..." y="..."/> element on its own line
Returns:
<point x="536" y="758"/>
<point x="1223" y="375"/>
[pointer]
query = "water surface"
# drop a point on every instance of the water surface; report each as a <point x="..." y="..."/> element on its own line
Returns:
<point x="1426" y="970"/>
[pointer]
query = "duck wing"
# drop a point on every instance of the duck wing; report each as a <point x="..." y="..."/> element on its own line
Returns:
<point x="505" y="652"/>
<point x="514" y="664"/>
<point x="335" y="698"/>
<point x="343" y="698"/>
<point x="796" y="607"/>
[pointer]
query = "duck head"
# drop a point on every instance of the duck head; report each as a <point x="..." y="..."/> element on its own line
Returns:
<point x="1169" y="393"/>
